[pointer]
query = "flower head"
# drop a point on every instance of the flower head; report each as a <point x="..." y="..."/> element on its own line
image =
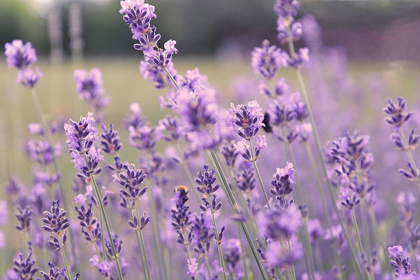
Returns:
<point x="20" y="55"/>
<point x="267" y="60"/>
<point x="246" y="119"/>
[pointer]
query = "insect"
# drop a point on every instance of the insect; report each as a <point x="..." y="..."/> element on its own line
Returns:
<point x="183" y="190"/>
<point x="266" y="121"/>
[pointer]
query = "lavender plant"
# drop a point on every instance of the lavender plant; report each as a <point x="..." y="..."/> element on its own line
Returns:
<point x="281" y="230"/>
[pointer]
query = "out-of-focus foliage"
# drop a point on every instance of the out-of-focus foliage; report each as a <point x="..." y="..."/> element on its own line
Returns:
<point x="201" y="27"/>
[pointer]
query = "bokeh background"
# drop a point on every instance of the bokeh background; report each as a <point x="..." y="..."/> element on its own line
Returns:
<point x="370" y="50"/>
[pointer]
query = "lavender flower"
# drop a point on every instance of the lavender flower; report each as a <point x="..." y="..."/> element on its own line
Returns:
<point x="172" y="127"/>
<point x="136" y="119"/>
<point x="28" y="77"/>
<point x="197" y="109"/>
<point x="118" y="247"/>
<point x="55" y="273"/>
<point x="283" y="185"/>
<point x="160" y="58"/>
<point x="89" y="85"/>
<point x="56" y="222"/>
<point x="90" y="228"/>
<point x="24" y="218"/>
<point x="398" y="114"/>
<point x="246" y="119"/>
<point x="267" y="60"/>
<point x="245" y="180"/>
<point x="144" y="138"/>
<point x="80" y="139"/>
<point x="110" y="140"/>
<point x="20" y="55"/>
<point x="352" y="154"/>
<point x="156" y="74"/>
<point x="138" y="15"/>
<point x="42" y="152"/>
<point x="232" y="252"/>
<point x="24" y="267"/>
<point x="299" y="59"/>
<point x="203" y="233"/>
<point x="131" y="179"/>
<point x="139" y="224"/>
<point x="400" y="264"/>
<point x="229" y="153"/>
<point x="280" y="225"/>
<point x="104" y="266"/>
<point x="181" y="216"/>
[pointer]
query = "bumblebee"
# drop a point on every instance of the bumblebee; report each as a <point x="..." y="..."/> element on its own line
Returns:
<point x="266" y="121"/>
<point x="183" y="190"/>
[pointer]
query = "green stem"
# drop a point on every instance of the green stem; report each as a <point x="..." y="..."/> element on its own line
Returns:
<point x="156" y="236"/>
<point x="301" y="201"/>
<point x="254" y="162"/>
<point x="143" y="265"/>
<point x="235" y="209"/>
<point x="145" y="256"/>
<point x="61" y="188"/>
<point x="207" y="264"/>
<point x="101" y="206"/>
<point x="102" y="236"/>
<point x="289" y="244"/>
<point x="324" y="205"/>
<point x="63" y="254"/>
<point x="219" y="247"/>
<point x="409" y="154"/>
<point x="379" y="237"/>
<point x="366" y="229"/>
<point x="243" y="253"/>
<point x="324" y="168"/>
<point x="356" y="227"/>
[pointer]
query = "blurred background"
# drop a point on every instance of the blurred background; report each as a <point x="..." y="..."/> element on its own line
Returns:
<point x="371" y="49"/>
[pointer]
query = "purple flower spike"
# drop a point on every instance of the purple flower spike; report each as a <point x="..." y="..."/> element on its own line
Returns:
<point x="203" y="233"/>
<point x="110" y="140"/>
<point x="267" y="60"/>
<point x="398" y="114"/>
<point x="395" y="251"/>
<point x="299" y="59"/>
<point x="246" y="119"/>
<point x="283" y="185"/>
<point x="24" y="218"/>
<point x="88" y="84"/>
<point x="56" y="223"/>
<point x="24" y="267"/>
<point x="229" y="153"/>
<point x="28" y="77"/>
<point x="20" y="55"/>
<point x="400" y="264"/>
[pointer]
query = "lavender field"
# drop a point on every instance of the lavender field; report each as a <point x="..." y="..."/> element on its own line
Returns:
<point x="293" y="162"/>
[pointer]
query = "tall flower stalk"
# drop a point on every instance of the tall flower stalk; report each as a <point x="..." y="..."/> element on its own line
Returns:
<point x="81" y="137"/>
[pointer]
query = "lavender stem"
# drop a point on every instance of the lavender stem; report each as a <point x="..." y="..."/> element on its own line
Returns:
<point x="409" y="153"/>
<point x="254" y="162"/>
<point x="319" y="150"/>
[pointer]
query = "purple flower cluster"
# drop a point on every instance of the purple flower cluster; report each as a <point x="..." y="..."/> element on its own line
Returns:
<point x="138" y="16"/>
<point x="400" y="264"/>
<point x="283" y="185"/>
<point x="267" y="60"/>
<point x="81" y="137"/>
<point x="246" y="119"/>
<point x="89" y="87"/>
<point x="22" y="56"/>
<point x="56" y="222"/>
